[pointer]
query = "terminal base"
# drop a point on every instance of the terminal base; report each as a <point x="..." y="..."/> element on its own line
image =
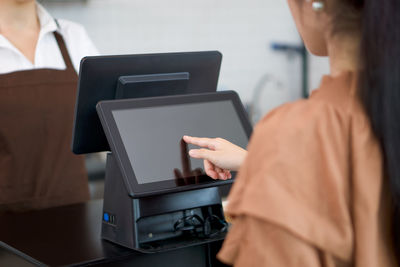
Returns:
<point x="161" y="222"/>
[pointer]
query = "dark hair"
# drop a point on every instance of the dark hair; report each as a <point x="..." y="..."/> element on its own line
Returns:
<point x="380" y="89"/>
<point x="379" y="81"/>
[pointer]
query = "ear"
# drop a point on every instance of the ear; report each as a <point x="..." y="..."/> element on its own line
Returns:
<point x="314" y="25"/>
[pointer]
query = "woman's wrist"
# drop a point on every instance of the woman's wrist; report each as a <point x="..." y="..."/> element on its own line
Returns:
<point x="240" y="159"/>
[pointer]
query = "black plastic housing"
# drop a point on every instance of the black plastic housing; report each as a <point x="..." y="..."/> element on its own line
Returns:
<point x="147" y="224"/>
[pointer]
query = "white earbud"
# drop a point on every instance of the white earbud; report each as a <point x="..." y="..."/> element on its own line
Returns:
<point x="318" y="5"/>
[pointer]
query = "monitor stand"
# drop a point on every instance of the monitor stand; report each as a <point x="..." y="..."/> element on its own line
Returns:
<point x="161" y="222"/>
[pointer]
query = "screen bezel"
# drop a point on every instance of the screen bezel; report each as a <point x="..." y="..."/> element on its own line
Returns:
<point x="135" y="189"/>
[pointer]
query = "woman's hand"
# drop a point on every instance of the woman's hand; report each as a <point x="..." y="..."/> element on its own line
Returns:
<point x="220" y="156"/>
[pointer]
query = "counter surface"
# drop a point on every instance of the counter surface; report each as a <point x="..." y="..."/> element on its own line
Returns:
<point x="70" y="235"/>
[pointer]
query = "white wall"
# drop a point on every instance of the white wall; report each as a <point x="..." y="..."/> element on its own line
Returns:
<point x="242" y="30"/>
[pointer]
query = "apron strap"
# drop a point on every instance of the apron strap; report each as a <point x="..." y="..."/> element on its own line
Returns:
<point x="63" y="48"/>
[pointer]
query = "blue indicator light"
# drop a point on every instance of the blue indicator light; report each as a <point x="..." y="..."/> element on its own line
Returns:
<point x="106" y="217"/>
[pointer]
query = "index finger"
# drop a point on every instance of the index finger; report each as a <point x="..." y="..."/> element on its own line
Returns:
<point x="200" y="141"/>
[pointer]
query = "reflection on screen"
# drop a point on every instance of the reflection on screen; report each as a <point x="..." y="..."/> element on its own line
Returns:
<point x="152" y="136"/>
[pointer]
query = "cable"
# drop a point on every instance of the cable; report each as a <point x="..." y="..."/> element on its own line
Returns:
<point x="210" y="227"/>
<point x="222" y="226"/>
<point x="191" y="223"/>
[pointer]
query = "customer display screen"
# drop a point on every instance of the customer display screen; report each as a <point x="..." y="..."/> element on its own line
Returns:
<point x="152" y="136"/>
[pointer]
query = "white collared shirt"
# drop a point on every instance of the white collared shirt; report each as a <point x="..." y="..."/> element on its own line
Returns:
<point x="48" y="54"/>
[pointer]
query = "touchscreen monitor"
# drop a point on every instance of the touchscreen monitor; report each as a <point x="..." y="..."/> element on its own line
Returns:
<point x="146" y="137"/>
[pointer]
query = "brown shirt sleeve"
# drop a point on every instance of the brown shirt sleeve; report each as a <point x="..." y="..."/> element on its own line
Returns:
<point x="254" y="242"/>
<point x="294" y="184"/>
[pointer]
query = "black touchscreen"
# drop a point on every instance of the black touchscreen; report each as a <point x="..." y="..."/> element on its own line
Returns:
<point x="153" y="136"/>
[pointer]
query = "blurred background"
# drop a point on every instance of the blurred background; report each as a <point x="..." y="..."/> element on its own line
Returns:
<point x="263" y="56"/>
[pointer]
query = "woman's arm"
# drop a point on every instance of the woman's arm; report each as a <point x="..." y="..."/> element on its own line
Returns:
<point x="252" y="242"/>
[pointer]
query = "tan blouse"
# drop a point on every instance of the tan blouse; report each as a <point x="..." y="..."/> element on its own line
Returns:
<point x="312" y="190"/>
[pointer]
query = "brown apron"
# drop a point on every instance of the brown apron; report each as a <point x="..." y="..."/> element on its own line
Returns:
<point x="37" y="168"/>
